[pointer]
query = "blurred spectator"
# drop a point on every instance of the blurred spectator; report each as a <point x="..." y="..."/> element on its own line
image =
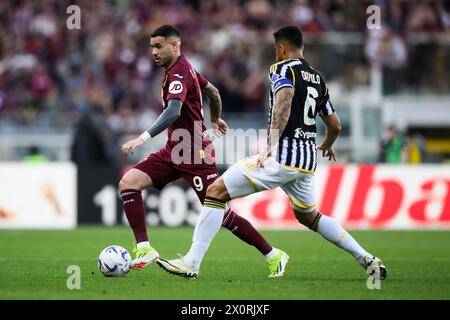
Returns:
<point x="444" y="12"/>
<point x="34" y="156"/>
<point x="416" y="148"/>
<point x="392" y="146"/>
<point x="424" y="17"/>
<point x="387" y="50"/>
<point x="94" y="140"/>
<point x="396" y="17"/>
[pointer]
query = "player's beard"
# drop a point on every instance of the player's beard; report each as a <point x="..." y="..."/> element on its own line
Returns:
<point x="159" y="62"/>
<point x="165" y="62"/>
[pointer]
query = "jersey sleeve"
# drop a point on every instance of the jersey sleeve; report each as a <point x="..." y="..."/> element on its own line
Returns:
<point x="178" y="82"/>
<point x="202" y="81"/>
<point x="281" y="77"/>
<point x="325" y="106"/>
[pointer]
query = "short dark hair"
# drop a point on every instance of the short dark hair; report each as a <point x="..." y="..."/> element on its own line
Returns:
<point x="166" y="31"/>
<point x="291" y="34"/>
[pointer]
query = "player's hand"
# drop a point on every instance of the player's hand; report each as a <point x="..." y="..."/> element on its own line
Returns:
<point x="327" y="152"/>
<point x="220" y="127"/>
<point x="260" y="162"/>
<point x="131" y="145"/>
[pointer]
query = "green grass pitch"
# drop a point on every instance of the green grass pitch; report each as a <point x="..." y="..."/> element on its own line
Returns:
<point x="33" y="265"/>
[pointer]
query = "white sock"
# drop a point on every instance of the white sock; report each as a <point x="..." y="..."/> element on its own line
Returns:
<point x="271" y="254"/>
<point x="331" y="230"/>
<point x="207" y="226"/>
<point x="143" y="244"/>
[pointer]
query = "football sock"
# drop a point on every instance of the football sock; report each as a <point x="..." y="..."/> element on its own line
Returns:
<point x="135" y="212"/>
<point x="143" y="244"/>
<point x="245" y="231"/>
<point x="331" y="230"/>
<point x="271" y="254"/>
<point x="208" y="224"/>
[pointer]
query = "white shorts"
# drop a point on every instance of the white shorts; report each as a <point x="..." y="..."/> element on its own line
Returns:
<point x="244" y="178"/>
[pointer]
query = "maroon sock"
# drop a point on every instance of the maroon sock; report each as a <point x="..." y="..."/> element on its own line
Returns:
<point x="135" y="212"/>
<point x="245" y="231"/>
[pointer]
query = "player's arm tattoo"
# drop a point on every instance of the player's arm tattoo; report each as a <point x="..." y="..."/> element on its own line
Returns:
<point x="280" y="115"/>
<point x="169" y="115"/>
<point x="215" y="103"/>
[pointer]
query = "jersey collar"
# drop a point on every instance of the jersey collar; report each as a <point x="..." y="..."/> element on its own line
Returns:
<point x="178" y="59"/>
<point x="288" y="60"/>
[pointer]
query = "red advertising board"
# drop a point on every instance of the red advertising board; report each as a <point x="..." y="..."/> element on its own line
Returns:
<point x="364" y="197"/>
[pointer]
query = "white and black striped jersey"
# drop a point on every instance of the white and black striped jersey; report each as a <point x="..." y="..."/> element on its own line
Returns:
<point x="297" y="144"/>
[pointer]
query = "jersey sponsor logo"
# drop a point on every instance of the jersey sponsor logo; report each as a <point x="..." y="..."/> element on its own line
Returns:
<point x="299" y="133"/>
<point x="210" y="176"/>
<point x="175" y="87"/>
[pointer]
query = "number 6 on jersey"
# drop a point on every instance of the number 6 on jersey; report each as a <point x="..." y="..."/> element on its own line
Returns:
<point x="310" y="106"/>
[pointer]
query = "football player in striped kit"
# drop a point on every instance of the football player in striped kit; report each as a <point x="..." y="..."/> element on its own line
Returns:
<point x="298" y="95"/>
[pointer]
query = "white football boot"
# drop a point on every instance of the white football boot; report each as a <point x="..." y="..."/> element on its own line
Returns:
<point x="178" y="267"/>
<point x="375" y="267"/>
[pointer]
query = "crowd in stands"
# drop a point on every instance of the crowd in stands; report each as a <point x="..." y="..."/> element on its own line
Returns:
<point x="50" y="75"/>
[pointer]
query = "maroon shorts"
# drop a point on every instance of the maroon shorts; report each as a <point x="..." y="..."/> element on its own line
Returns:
<point x="162" y="171"/>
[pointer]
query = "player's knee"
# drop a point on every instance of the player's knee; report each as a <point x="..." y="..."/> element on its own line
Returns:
<point x="217" y="190"/>
<point x="128" y="182"/>
<point x="125" y="184"/>
<point x="213" y="190"/>
<point x="136" y="180"/>
<point x="308" y="219"/>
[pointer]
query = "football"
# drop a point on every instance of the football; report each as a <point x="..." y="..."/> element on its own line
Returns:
<point x="114" y="261"/>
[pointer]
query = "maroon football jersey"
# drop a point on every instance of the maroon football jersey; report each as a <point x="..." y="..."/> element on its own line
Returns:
<point x="184" y="83"/>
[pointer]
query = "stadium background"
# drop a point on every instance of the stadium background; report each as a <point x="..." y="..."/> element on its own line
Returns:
<point x="70" y="98"/>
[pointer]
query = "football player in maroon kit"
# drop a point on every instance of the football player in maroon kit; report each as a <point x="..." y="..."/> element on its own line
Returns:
<point x="189" y="158"/>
